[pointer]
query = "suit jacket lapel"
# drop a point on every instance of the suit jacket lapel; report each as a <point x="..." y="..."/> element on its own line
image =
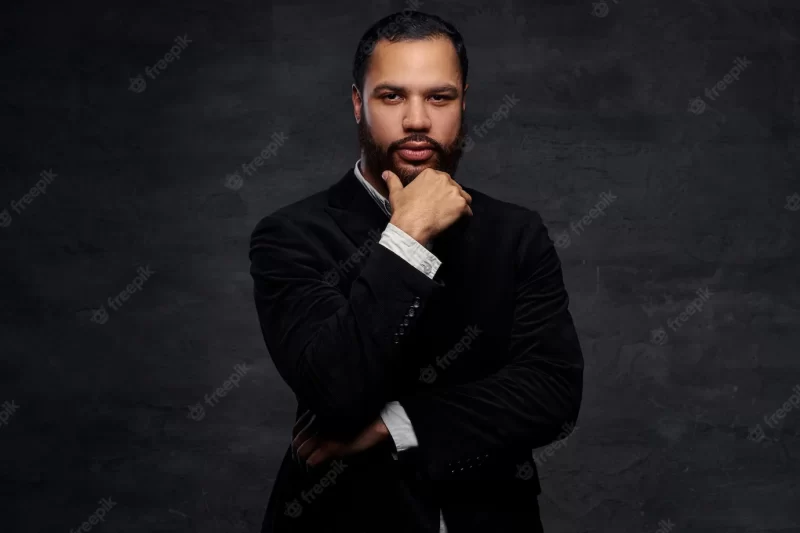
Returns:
<point x="354" y="210"/>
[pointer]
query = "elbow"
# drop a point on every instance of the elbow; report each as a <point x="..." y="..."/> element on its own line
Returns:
<point x="566" y="415"/>
<point x="574" y="399"/>
<point x="344" y="401"/>
<point x="339" y="405"/>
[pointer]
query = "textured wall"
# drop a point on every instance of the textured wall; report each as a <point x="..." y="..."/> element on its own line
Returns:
<point x="144" y="183"/>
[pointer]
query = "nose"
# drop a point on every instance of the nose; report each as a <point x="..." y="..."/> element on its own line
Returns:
<point x="416" y="116"/>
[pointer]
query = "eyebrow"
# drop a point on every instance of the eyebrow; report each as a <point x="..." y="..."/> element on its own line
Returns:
<point x="447" y="88"/>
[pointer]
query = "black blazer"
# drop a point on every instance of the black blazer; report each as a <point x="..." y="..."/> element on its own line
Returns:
<point x="351" y="326"/>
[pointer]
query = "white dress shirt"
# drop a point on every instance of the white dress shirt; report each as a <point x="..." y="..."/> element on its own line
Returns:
<point x="398" y="241"/>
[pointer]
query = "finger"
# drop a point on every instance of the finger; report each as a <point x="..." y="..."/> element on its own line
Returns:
<point x="301" y="422"/>
<point x="392" y="181"/>
<point x="467" y="196"/>
<point x="304" y="434"/>
<point x="300" y="440"/>
<point x="307" y="447"/>
<point x="320" y="455"/>
<point x="305" y="427"/>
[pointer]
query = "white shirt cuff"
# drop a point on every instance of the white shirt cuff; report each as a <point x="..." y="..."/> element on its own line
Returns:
<point x="399" y="426"/>
<point x="406" y="247"/>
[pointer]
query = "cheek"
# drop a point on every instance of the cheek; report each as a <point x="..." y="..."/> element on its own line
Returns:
<point x="448" y="126"/>
<point x="385" y="131"/>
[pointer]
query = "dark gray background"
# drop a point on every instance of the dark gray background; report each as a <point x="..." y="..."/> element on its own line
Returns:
<point x="701" y="202"/>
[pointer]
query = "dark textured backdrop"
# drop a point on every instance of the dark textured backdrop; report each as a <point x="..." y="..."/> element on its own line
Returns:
<point x="702" y="196"/>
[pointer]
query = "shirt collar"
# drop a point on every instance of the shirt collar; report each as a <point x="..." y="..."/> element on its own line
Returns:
<point x="382" y="202"/>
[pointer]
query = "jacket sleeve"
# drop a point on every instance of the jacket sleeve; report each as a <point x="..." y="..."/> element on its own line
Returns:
<point x="338" y="354"/>
<point x="529" y="401"/>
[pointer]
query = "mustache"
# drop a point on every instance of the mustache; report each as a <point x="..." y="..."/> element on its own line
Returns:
<point x="416" y="139"/>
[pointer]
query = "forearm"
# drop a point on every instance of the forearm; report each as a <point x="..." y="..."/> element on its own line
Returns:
<point x="525" y="405"/>
<point x="534" y="396"/>
<point x="338" y="354"/>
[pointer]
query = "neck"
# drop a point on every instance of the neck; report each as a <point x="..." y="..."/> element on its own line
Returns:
<point x="375" y="181"/>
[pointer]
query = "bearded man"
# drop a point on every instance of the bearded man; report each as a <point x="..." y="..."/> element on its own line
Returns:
<point x="423" y="326"/>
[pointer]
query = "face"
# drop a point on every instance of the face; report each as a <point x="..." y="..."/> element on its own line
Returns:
<point x="412" y="94"/>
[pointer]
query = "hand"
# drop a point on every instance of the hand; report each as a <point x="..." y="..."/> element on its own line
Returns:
<point x="428" y="205"/>
<point x="313" y="449"/>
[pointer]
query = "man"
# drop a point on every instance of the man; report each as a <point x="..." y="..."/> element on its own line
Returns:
<point x="429" y="364"/>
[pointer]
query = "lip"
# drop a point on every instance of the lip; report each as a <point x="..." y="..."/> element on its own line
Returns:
<point x="415" y="152"/>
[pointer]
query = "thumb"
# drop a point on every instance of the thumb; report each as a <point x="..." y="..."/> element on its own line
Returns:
<point x="392" y="181"/>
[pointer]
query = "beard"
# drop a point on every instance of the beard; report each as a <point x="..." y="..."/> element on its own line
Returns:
<point x="377" y="158"/>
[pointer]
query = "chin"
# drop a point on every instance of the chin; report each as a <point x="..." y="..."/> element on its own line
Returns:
<point x="415" y="167"/>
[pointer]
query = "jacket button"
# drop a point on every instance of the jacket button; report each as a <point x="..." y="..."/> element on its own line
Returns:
<point x="416" y="303"/>
<point x="410" y="312"/>
<point x="405" y="321"/>
<point x="402" y="330"/>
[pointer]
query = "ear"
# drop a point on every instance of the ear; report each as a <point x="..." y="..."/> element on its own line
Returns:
<point x="464" y="98"/>
<point x="357" y="103"/>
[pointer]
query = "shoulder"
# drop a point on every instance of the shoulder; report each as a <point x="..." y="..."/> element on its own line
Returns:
<point x="296" y="214"/>
<point x="508" y="216"/>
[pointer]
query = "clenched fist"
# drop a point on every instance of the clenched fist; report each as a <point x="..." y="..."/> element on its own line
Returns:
<point x="428" y="205"/>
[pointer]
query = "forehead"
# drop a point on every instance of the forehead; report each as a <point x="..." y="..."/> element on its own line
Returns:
<point x="415" y="63"/>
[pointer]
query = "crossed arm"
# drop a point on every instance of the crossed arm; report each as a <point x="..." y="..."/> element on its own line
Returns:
<point x="338" y="354"/>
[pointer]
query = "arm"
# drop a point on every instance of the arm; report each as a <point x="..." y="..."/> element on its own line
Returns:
<point x="338" y="354"/>
<point x="528" y="402"/>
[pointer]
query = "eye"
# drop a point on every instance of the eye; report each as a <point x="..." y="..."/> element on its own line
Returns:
<point x="441" y="96"/>
<point x="385" y="96"/>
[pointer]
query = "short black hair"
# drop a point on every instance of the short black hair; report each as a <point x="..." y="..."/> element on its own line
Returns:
<point x="406" y="25"/>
